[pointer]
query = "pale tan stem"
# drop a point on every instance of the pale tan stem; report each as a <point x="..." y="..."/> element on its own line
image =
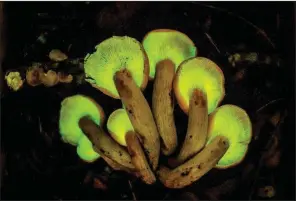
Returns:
<point x="104" y="144"/>
<point x="163" y="173"/>
<point x="197" y="130"/>
<point x="116" y="166"/>
<point x="139" y="158"/>
<point x="162" y="105"/>
<point x="196" y="167"/>
<point x="139" y="114"/>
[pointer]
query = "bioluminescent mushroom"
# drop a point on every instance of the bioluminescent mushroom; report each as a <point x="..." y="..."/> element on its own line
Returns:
<point x="80" y="122"/>
<point x="230" y="132"/>
<point x="118" y="124"/>
<point x="166" y="49"/>
<point x="199" y="88"/>
<point x="196" y="167"/>
<point x="120" y="68"/>
<point x="122" y="131"/>
<point x="85" y="150"/>
<point x="233" y="123"/>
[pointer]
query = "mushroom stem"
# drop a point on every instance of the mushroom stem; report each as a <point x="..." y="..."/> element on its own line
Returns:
<point x="116" y="166"/>
<point x="196" y="167"/>
<point x="197" y="130"/>
<point x="139" y="114"/>
<point x="138" y="158"/>
<point x="163" y="107"/>
<point x="103" y="144"/>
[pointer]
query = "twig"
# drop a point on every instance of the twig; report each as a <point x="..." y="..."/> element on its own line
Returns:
<point x="258" y="29"/>
<point x="212" y="42"/>
<point x="132" y="191"/>
<point x="166" y="196"/>
<point x="269" y="103"/>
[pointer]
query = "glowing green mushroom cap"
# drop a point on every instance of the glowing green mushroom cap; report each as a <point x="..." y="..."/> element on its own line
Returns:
<point x="202" y="74"/>
<point x="161" y="44"/>
<point x="118" y="125"/>
<point x="112" y="55"/>
<point x="233" y="123"/>
<point x="72" y="110"/>
<point x="85" y="150"/>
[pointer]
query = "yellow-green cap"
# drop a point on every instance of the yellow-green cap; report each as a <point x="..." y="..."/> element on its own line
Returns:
<point x="112" y="55"/>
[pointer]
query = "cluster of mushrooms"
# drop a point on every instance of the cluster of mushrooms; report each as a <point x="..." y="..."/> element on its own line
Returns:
<point x="217" y="137"/>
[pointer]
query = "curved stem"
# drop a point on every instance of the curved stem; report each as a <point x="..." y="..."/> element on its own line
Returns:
<point x="116" y="166"/>
<point x="196" y="167"/>
<point x="139" y="159"/>
<point x="162" y="105"/>
<point x="104" y="144"/>
<point x="197" y="130"/>
<point x="139" y="114"/>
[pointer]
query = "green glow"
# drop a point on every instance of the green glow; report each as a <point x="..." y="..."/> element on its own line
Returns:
<point x="72" y="109"/>
<point x="112" y="55"/>
<point x="234" y="123"/>
<point x="203" y="74"/>
<point x="85" y="150"/>
<point x="118" y="125"/>
<point x="173" y="45"/>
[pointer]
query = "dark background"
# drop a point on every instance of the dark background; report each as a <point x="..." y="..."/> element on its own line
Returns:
<point x="39" y="166"/>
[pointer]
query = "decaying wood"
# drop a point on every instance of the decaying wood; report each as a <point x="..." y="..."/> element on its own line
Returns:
<point x="196" y="167"/>
<point x="104" y="144"/>
<point x="138" y="158"/>
<point x="197" y="130"/>
<point x="162" y="105"/>
<point x="139" y="114"/>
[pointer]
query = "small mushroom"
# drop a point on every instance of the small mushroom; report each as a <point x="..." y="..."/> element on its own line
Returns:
<point x="166" y="49"/>
<point x="233" y="123"/>
<point x="63" y="78"/>
<point x="80" y="124"/>
<point x="122" y="131"/>
<point x="119" y="68"/>
<point x="57" y="55"/>
<point x="199" y="88"/>
<point x="33" y="75"/>
<point x="49" y="79"/>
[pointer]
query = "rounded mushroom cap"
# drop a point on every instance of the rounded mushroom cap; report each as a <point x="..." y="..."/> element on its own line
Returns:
<point x="161" y="44"/>
<point x="72" y="110"/>
<point x="85" y="150"/>
<point x="112" y="55"/>
<point x="202" y="74"/>
<point x="234" y="123"/>
<point x="118" y="125"/>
